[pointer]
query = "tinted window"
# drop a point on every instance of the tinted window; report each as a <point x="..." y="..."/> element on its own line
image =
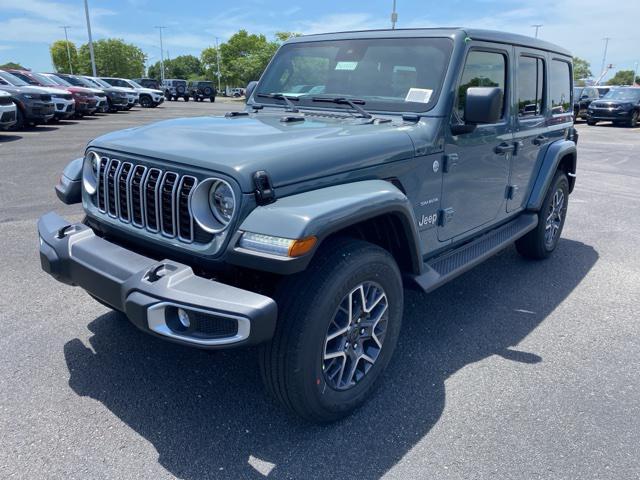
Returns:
<point x="483" y="69"/>
<point x="399" y="74"/>
<point x="560" y="86"/>
<point x="624" y="94"/>
<point x="530" y="86"/>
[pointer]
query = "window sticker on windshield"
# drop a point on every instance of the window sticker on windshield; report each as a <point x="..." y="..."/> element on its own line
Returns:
<point x="346" y="65"/>
<point x="419" y="95"/>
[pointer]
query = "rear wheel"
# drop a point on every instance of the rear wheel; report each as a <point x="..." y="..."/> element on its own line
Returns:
<point x="337" y="328"/>
<point x="591" y="122"/>
<point x="212" y="99"/>
<point x="540" y="242"/>
<point x="186" y="98"/>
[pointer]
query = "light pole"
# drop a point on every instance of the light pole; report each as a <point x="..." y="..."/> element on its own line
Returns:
<point x="93" y="58"/>
<point x="218" y="63"/>
<point x="66" y="37"/>
<point x="394" y="16"/>
<point x="537" y="27"/>
<point x="604" y="55"/>
<point x="160" y="28"/>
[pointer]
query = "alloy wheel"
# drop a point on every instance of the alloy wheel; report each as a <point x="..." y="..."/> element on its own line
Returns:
<point x="355" y="336"/>
<point x="555" y="215"/>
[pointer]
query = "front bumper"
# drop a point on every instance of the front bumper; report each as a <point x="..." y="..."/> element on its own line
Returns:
<point x="39" y="111"/>
<point x="605" y="114"/>
<point x="7" y="116"/>
<point x="151" y="292"/>
<point x="64" y="108"/>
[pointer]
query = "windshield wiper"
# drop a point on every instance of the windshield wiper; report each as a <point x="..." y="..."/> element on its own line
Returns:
<point x="279" y="96"/>
<point x="353" y="103"/>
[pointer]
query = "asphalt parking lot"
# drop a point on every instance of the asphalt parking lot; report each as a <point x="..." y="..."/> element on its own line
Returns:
<point x="516" y="370"/>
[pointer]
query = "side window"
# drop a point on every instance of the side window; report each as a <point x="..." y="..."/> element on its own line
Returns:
<point x="482" y="69"/>
<point x="560" y="86"/>
<point x="530" y="86"/>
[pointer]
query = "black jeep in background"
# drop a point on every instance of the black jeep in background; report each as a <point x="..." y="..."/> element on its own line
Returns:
<point x="149" y="83"/>
<point x="620" y="106"/>
<point x="582" y="98"/>
<point x="199" y="90"/>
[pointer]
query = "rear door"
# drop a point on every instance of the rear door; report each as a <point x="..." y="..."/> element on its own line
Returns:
<point x="530" y="124"/>
<point x="477" y="163"/>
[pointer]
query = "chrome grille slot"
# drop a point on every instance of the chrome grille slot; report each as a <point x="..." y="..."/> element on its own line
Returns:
<point x="110" y="184"/>
<point x="185" y="220"/>
<point x="122" y="192"/>
<point x="148" y="198"/>
<point x="168" y="188"/>
<point x="101" y="191"/>
<point x="151" y="185"/>
<point x="135" y="195"/>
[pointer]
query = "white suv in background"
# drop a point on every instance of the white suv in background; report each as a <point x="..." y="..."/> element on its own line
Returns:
<point x="147" y="97"/>
<point x="7" y="111"/>
<point x="132" y="94"/>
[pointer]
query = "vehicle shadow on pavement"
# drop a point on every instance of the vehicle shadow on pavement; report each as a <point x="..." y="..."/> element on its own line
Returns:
<point x="6" y="138"/>
<point x="208" y="416"/>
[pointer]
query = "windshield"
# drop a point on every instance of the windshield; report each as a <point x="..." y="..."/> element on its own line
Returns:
<point x="74" y="81"/>
<point x="399" y="75"/>
<point x="624" y="94"/>
<point x="100" y="82"/>
<point x="12" y="79"/>
<point x="58" y="80"/>
<point x="85" y="82"/>
<point x="24" y="78"/>
<point x="44" y="80"/>
<point x="134" y="84"/>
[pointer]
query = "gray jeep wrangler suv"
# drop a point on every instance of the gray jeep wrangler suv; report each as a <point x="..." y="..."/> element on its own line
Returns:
<point x="363" y="162"/>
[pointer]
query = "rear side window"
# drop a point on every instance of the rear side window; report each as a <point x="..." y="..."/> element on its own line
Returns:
<point x="482" y="69"/>
<point x="530" y="86"/>
<point x="560" y="86"/>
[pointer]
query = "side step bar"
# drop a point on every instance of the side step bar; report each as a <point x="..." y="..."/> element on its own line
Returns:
<point x="439" y="270"/>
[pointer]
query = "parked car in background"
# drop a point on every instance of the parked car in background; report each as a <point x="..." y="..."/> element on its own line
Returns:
<point x="101" y="96"/>
<point x="603" y="90"/>
<point x="151" y="83"/>
<point x="236" y="92"/>
<point x="65" y="105"/>
<point x="295" y="223"/>
<point x="582" y="98"/>
<point x="201" y="89"/>
<point x="132" y="95"/>
<point x="620" y="106"/>
<point x="34" y="105"/>
<point x="117" y="98"/>
<point x="147" y="97"/>
<point x="174" y="88"/>
<point x="85" y="98"/>
<point x="8" y="111"/>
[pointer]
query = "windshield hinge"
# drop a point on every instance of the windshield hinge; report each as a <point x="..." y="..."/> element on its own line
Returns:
<point x="265" y="194"/>
<point x="410" y="117"/>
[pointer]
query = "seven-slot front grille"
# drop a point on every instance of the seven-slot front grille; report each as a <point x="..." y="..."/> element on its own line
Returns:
<point x="147" y="198"/>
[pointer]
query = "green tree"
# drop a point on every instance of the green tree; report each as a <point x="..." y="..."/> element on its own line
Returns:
<point x="184" y="66"/>
<point x="114" y="58"/>
<point x="60" y="57"/>
<point x="622" y="77"/>
<point x="12" y="65"/>
<point x="581" y="69"/>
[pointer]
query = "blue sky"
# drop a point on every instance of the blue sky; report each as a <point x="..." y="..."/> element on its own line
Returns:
<point x="27" y="27"/>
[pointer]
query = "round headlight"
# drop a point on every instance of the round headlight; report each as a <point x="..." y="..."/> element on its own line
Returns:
<point x="90" y="172"/>
<point x="222" y="201"/>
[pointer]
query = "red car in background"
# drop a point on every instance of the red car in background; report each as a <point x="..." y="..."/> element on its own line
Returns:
<point x="85" y="99"/>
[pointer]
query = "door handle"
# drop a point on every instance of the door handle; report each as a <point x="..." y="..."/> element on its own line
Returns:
<point x="504" y="147"/>
<point x="539" y="140"/>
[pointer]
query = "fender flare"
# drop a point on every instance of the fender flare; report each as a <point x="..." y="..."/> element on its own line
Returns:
<point x="552" y="157"/>
<point x="69" y="187"/>
<point x="321" y="213"/>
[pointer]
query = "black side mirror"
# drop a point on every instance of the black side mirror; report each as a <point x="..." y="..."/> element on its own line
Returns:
<point x="250" y="88"/>
<point x="483" y="105"/>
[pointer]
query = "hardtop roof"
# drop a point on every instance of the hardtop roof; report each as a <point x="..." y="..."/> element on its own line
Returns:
<point x="452" y="32"/>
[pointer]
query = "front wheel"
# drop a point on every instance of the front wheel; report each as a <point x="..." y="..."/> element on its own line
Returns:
<point x="591" y="122"/>
<point x="145" y="102"/>
<point x="338" y="326"/>
<point x="540" y="242"/>
<point x="633" y="121"/>
<point x="186" y="98"/>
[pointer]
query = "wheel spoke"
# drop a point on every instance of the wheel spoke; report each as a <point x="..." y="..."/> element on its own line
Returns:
<point x="336" y="334"/>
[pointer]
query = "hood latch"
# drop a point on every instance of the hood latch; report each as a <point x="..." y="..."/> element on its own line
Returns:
<point x="265" y="194"/>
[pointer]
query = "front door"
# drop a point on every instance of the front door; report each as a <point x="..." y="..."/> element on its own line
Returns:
<point x="477" y="164"/>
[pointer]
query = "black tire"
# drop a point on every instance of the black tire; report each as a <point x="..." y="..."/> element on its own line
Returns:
<point x="186" y="98"/>
<point x="535" y="244"/>
<point x="212" y="99"/>
<point x="20" y="120"/>
<point x="308" y="303"/>
<point x="633" y="121"/>
<point x="591" y="122"/>
<point x="145" y="101"/>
